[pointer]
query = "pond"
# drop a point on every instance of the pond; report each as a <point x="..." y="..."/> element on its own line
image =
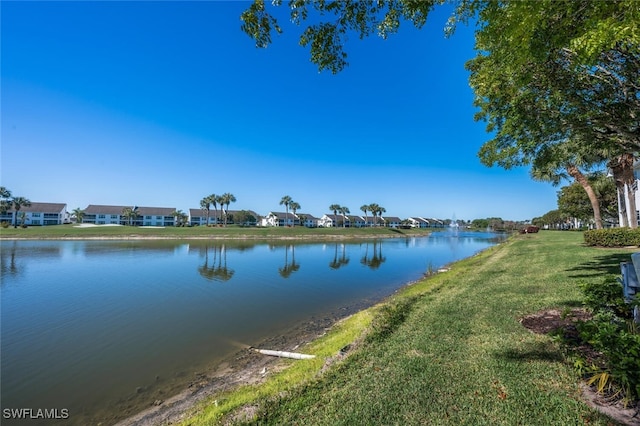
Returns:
<point x="103" y="327"/>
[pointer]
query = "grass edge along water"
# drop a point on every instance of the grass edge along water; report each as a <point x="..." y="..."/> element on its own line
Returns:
<point x="457" y="353"/>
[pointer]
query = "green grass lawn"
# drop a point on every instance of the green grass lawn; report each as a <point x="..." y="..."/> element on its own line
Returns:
<point x="448" y="350"/>
<point x="70" y="231"/>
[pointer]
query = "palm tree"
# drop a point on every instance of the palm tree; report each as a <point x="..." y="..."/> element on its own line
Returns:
<point x="380" y="211"/>
<point x="215" y="200"/>
<point x="335" y="208"/>
<point x="18" y="203"/>
<point x="344" y="211"/>
<point x="286" y="200"/>
<point x="180" y="216"/>
<point x="5" y="200"/>
<point x="295" y="206"/>
<point x="4" y="193"/>
<point x="79" y="214"/>
<point x="365" y="209"/>
<point x="559" y="162"/>
<point x="129" y="214"/>
<point x="227" y="198"/>
<point x="205" y="205"/>
<point x="373" y="208"/>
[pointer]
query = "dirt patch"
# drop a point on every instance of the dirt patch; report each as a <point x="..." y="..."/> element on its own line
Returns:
<point x="564" y="324"/>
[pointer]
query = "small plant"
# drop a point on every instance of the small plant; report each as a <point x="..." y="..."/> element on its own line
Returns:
<point x="606" y="296"/>
<point x="612" y="332"/>
<point x="430" y="270"/>
<point x="4" y="224"/>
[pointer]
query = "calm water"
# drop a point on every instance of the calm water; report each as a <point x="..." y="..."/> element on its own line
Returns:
<point x="104" y="327"/>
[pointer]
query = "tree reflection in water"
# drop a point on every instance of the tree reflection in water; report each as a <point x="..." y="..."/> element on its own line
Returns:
<point x="218" y="271"/>
<point x="8" y="264"/>
<point x="337" y="263"/>
<point x="376" y="259"/>
<point x="289" y="268"/>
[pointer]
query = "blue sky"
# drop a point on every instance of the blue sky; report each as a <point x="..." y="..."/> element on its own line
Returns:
<point x="162" y="103"/>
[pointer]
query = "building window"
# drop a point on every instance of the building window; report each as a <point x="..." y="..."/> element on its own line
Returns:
<point x="35" y="214"/>
<point x="114" y="216"/>
<point x="101" y="216"/>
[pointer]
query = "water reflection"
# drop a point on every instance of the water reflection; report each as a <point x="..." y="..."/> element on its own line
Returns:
<point x="116" y="248"/>
<point x="289" y="267"/>
<point x="8" y="264"/>
<point x="12" y="254"/>
<point x="374" y="259"/>
<point x="217" y="270"/>
<point x="343" y="260"/>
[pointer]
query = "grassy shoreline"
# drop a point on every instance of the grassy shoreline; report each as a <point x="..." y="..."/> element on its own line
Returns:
<point x="70" y="232"/>
<point x="448" y="349"/>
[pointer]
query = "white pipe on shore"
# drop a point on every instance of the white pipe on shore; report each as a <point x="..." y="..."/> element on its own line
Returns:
<point x="283" y="354"/>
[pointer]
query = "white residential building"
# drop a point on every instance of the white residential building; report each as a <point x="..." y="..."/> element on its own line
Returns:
<point x="391" y="221"/>
<point x="112" y="215"/>
<point x="198" y="217"/>
<point x="418" y="222"/>
<point x="39" y="214"/>
<point x="329" y="220"/>
<point x="280" y="219"/>
<point x="308" y="220"/>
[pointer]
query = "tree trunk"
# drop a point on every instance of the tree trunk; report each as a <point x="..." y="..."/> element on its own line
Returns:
<point x="622" y="205"/>
<point x="575" y="173"/>
<point x="630" y="180"/>
<point x="622" y="169"/>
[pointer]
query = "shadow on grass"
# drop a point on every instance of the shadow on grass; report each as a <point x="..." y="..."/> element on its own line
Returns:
<point x="538" y="352"/>
<point x="574" y="303"/>
<point x="605" y="264"/>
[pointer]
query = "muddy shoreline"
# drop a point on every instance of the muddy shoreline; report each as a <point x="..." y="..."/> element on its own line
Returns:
<point x="243" y="367"/>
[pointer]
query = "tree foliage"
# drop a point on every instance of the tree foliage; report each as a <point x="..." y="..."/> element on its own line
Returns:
<point x="553" y="219"/>
<point x="330" y="22"/>
<point x="549" y="71"/>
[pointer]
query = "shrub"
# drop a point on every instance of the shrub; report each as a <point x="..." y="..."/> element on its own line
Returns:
<point x="606" y="296"/>
<point x="613" y="332"/>
<point x="612" y="237"/>
<point x="4" y="224"/>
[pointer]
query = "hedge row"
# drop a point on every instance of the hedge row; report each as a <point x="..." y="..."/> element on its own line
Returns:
<point x="613" y="237"/>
